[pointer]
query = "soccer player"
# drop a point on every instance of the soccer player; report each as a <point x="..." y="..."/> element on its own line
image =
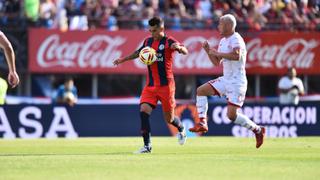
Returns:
<point x="160" y="85"/>
<point x="290" y="87"/>
<point x="233" y="84"/>
<point x="67" y="93"/>
<point x="5" y="45"/>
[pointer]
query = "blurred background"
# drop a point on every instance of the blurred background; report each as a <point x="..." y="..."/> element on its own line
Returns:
<point x="57" y="39"/>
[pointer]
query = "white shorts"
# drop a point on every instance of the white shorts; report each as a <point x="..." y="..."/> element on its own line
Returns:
<point x="234" y="92"/>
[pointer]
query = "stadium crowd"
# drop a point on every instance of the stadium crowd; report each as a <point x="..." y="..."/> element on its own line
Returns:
<point x="179" y="14"/>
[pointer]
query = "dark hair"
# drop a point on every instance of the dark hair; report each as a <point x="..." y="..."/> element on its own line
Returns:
<point x="291" y="69"/>
<point x="68" y="78"/>
<point x="156" y="21"/>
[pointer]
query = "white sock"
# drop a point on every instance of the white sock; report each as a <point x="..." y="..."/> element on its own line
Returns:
<point x="244" y="121"/>
<point x="202" y="106"/>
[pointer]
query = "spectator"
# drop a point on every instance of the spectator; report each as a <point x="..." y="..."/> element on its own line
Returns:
<point x="109" y="21"/>
<point x="32" y="10"/>
<point x="67" y="93"/>
<point x="255" y="19"/>
<point x="148" y="13"/>
<point x="290" y="87"/>
<point x="204" y="9"/>
<point x="10" y="12"/>
<point x="76" y="16"/>
<point x="94" y="13"/>
<point x="291" y="17"/>
<point x="274" y="15"/>
<point x="47" y="13"/>
<point x="61" y="19"/>
<point x="179" y="14"/>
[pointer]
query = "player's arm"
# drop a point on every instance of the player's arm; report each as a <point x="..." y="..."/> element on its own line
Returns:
<point x="286" y="90"/>
<point x="210" y="52"/>
<point x="213" y="58"/>
<point x="127" y="58"/>
<point x="180" y="48"/>
<point x="59" y="96"/>
<point x="300" y="88"/>
<point x="234" y="55"/>
<point x="5" y="44"/>
<point x="301" y="92"/>
<point x="132" y="56"/>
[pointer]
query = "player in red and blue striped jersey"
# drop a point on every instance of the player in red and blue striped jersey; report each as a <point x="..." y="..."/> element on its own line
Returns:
<point x="160" y="85"/>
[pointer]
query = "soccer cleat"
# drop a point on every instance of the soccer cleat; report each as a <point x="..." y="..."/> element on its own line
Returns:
<point x="143" y="150"/>
<point x="260" y="137"/>
<point x="202" y="126"/>
<point x="182" y="137"/>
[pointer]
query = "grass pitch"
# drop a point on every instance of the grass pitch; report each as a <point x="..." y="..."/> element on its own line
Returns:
<point x="201" y="158"/>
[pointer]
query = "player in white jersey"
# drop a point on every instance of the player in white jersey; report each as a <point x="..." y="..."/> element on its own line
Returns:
<point x="290" y="87"/>
<point x="233" y="84"/>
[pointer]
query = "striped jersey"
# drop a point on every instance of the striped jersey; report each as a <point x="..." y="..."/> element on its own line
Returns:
<point x="160" y="72"/>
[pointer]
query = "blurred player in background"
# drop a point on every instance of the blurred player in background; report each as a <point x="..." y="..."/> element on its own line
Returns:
<point x="160" y="85"/>
<point x="3" y="91"/>
<point x="67" y="93"/>
<point x="290" y="87"/>
<point x="13" y="78"/>
<point x="233" y="84"/>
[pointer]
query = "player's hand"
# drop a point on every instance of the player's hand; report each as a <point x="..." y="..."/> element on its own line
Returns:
<point x="13" y="79"/>
<point x="117" y="62"/>
<point x="176" y="47"/>
<point x="206" y="46"/>
<point x="70" y="102"/>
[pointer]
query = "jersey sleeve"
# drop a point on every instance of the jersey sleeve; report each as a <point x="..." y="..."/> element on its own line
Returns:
<point x="220" y="46"/>
<point x="60" y="92"/>
<point x="172" y="40"/>
<point x="235" y="43"/>
<point x="281" y="84"/>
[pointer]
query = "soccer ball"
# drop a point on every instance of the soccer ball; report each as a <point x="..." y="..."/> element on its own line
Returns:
<point x="69" y="96"/>
<point x="148" y="55"/>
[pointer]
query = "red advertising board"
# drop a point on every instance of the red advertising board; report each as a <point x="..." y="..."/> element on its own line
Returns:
<point x="52" y="51"/>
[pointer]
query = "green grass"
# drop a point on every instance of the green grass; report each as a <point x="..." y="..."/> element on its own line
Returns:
<point x="201" y="158"/>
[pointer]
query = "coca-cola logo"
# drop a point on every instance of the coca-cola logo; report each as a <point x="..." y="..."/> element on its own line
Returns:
<point x="296" y="52"/>
<point x="97" y="51"/>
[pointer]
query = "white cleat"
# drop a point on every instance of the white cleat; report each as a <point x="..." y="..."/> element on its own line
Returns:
<point x="143" y="150"/>
<point x="182" y="137"/>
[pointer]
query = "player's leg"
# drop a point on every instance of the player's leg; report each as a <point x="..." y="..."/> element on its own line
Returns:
<point x="173" y="120"/>
<point x="241" y="119"/>
<point x="145" y="112"/>
<point x="235" y="101"/>
<point x="147" y="103"/>
<point x="176" y="122"/>
<point x="208" y="89"/>
<point x="167" y="98"/>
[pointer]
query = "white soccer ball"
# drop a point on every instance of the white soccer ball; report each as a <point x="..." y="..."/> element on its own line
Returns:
<point x="148" y="55"/>
<point x="69" y="96"/>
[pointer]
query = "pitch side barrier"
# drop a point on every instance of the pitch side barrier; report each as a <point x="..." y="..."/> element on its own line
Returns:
<point x="50" y="121"/>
